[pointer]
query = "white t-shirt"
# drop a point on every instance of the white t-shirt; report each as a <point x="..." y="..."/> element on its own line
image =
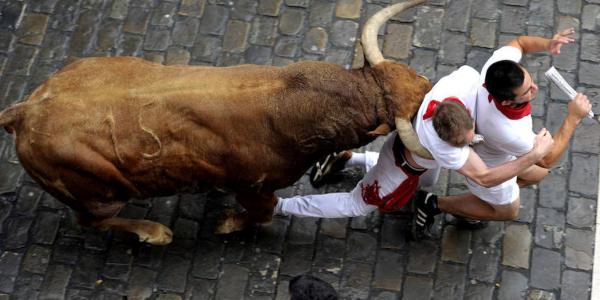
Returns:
<point x="461" y="84"/>
<point x="504" y="138"/>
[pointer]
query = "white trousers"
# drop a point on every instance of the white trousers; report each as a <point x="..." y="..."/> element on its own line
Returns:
<point x="384" y="173"/>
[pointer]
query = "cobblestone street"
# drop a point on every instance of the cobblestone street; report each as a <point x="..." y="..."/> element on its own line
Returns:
<point x="547" y="253"/>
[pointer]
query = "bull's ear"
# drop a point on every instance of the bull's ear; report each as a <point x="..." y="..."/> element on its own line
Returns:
<point x="382" y="129"/>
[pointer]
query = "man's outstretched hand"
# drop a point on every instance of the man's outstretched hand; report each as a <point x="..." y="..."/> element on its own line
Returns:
<point x="559" y="39"/>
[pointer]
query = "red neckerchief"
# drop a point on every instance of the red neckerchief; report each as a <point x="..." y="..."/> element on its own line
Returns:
<point x="513" y="113"/>
<point x="434" y="103"/>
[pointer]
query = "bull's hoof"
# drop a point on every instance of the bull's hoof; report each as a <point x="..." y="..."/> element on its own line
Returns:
<point x="228" y="225"/>
<point x="156" y="234"/>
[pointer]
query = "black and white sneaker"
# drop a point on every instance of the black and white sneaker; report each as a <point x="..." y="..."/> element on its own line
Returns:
<point x="467" y="223"/>
<point x="325" y="167"/>
<point x="426" y="209"/>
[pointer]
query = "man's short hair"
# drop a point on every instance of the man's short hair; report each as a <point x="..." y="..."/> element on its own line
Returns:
<point x="502" y="78"/>
<point x="452" y="121"/>
<point x="307" y="287"/>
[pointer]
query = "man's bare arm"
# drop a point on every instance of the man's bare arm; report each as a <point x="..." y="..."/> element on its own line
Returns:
<point x="577" y="110"/>
<point x="532" y="44"/>
<point x="476" y="170"/>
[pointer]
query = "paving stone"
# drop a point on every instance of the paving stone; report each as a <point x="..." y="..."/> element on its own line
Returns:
<point x="32" y="29"/>
<point x="55" y="283"/>
<point x="271" y="238"/>
<point x="184" y="32"/>
<point x="83" y="37"/>
<point x="387" y="268"/>
<point x="417" y="288"/>
<point x="7" y="40"/>
<point x="429" y="24"/>
<point x="206" y="49"/>
<point x="583" y="177"/>
<point x="569" y="7"/>
<point x="264" y="31"/>
<point x="586" y="73"/>
<point x="335" y="228"/>
<point x="149" y="256"/>
<point x="545" y="269"/>
<point x="236" y="35"/>
<point x="485" y="9"/>
<point x="140" y="283"/>
<point x="361" y="247"/>
<point x="17" y="231"/>
<point x="269" y="7"/>
<point x="137" y="21"/>
<point x="157" y="40"/>
<point x="423" y="62"/>
<point x="45" y="228"/>
<point x="513" y="286"/>
<point x="479" y="291"/>
<point x="66" y="250"/>
<point x="397" y="41"/>
<point x="516" y="246"/>
<point x="329" y="255"/>
<point x="344" y="33"/>
<point x="527" y="206"/>
<point x="10" y="175"/>
<point x="27" y="286"/>
<point x="315" y="41"/>
<point x="455" y="244"/>
<point x="575" y="285"/>
<point x="590" y="44"/>
<point x="355" y="280"/>
<point x="453" y="48"/>
<point x="589" y="17"/>
<point x="450" y="282"/>
<point x="66" y="13"/>
<point x="484" y="263"/>
<point x="207" y="260"/>
<point x="550" y="228"/>
<point x="232" y="282"/>
<point x="86" y="272"/>
<point x="9" y="263"/>
<point x="321" y="13"/>
<point x="348" y="9"/>
<point x="422" y="257"/>
<point x="341" y="57"/>
<point x="200" y="289"/>
<point x="513" y="19"/>
<point x="131" y="45"/>
<point x="579" y="249"/>
<point x="302" y="231"/>
<point x="457" y="15"/>
<point x="581" y="212"/>
<point x="192" y="8"/>
<point x="264" y="268"/>
<point x="584" y="139"/>
<point x="118" y="9"/>
<point x="173" y="275"/>
<point x="394" y="232"/>
<point x="22" y="60"/>
<point x="297" y="260"/>
<point x="164" y="14"/>
<point x="108" y="36"/>
<point x="540" y="295"/>
<point x="541" y="13"/>
<point x="553" y="191"/>
<point x="29" y="198"/>
<point x="292" y="21"/>
<point x="385" y="295"/>
<point x="483" y="33"/>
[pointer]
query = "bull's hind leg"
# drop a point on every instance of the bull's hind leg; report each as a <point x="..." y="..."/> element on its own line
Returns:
<point x="259" y="209"/>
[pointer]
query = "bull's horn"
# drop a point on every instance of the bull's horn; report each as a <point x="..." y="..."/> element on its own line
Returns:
<point x="369" y="34"/>
<point x="410" y="139"/>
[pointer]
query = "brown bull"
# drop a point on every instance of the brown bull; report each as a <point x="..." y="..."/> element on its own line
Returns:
<point x="104" y="130"/>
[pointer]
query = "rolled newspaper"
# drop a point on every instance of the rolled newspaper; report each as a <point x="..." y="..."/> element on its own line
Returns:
<point x="553" y="75"/>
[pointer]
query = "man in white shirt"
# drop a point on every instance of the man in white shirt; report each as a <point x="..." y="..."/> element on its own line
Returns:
<point x="444" y="125"/>
<point x="503" y="117"/>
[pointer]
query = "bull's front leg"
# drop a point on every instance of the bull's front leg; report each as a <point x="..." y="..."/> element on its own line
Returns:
<point x="259" y="209"/>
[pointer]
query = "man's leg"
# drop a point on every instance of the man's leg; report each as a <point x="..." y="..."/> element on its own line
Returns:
<point x="470" y="206"/>
<point x="532" y="175"/>
<point x="333" y="205"/>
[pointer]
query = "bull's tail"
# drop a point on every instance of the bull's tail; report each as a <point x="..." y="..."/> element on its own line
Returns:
<point x="11" y="117"/>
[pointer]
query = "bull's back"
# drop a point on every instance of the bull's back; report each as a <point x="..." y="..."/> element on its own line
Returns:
<point x="161" y="127"/>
